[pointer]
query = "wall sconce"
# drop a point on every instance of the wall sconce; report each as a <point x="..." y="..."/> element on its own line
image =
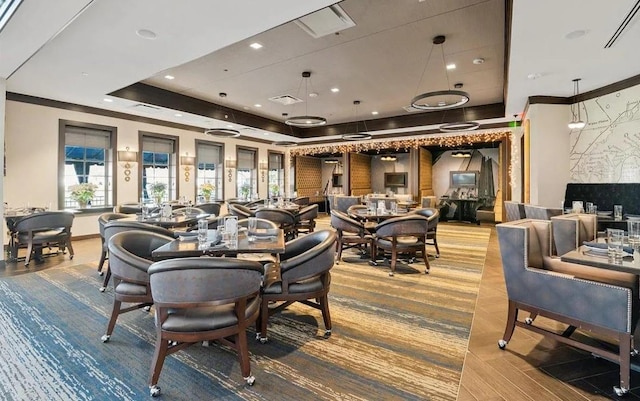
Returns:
<point x="127" y="156"/>
<point x="264" y="166"/>
<point x="230" y="164"/>
<point x="187" y="161"/>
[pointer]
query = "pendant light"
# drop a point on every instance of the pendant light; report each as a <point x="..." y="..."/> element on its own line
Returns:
<point x="357" y="136"/>
<point x="306" y="120"/>
<point x="223" y="132"/>
<point x="576" y="121"/>
<point x="440" y="99"/>
<point x="463" y="125"/>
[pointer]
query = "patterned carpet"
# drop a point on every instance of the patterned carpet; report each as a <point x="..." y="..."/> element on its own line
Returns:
<point x="394" y="338"/>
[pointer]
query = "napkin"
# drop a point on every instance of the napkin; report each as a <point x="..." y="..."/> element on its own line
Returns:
<point x="601" y="245"/>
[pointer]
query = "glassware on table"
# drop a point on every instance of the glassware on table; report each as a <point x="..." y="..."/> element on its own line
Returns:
<point x="588" y="206"/>
<point x="633" y="229"/>
<point x="203" y="227"/>
<point x="617" y="212"/>
<point x="251" y="229"/>
<point x="188" y="208"/>
<point x="594" y="209"/>
<point x="577" y="206"/>
<point x="615" y="240"/>
<point x="230" y="236"/>
<point x="394" y="208"/>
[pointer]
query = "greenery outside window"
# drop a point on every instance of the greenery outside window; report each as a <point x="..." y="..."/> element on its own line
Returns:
<point x="276" y="174"/>
<point x="86" y="161"/>
<point x="209" y="156"/>
<point x="246" y="173"/>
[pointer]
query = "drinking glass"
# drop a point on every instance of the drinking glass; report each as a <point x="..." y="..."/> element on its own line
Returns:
<point x="231" y="231"/>
<point x="614" y="245"/>
<point x="577" y="206"/>
<point x="633" y="228"/>
<point x="203" y="227"/>
<point x="394" y="208"/>
<point x="617" y="212"/>
<point x="251" y="230"/>
<point x="588" y="206"/>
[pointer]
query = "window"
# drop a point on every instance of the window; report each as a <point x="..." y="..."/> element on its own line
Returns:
<point x="87" y="159"/>
<point x="276" y="174"/>
<point x="246" y="176"/>
<point x="158" y="169"/>
<point x="209" y="157"/>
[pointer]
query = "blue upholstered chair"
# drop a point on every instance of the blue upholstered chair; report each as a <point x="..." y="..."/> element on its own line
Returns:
<point x="540" y="212"/>
<point x="571" y="230"/>
<point x="576" y="295"/>
<point x="514" y="210"/>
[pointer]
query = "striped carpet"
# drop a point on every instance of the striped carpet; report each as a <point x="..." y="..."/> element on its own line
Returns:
<point x="394" y="338"/>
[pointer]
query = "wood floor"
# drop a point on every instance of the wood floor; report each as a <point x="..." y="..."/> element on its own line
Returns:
<point x="530" y="368"/>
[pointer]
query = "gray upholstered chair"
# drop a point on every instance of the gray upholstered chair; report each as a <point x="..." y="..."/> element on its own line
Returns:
<point x="203" y="299"/>
<point x="211" y="208"/>
<point x="183" y="210"/>
<point x="128" y="208"/>
<point x="351" y="233"/>
<point x="433" y="217"/>
<point x="39" y="230"/>
<point x="571" y="230"/>
<point x="239" y="210"/>
<point x="596" y="300"/>
<point x="306" y="221"/>
<point x="129" y="260"/>
<point x="429" y="201"/>
<point x="514" y="210"/>
<point x="354" y="212"/>
<point x="117" y="226"/>
<point x="301" y="200"/>
<point x="402" y="235"/>
<point x="283" y="218"/>
<point x="304" y="276"/>
<point x="260" y="223"/>
<point x="103" y="219"/>
<point x="342" y="203"/>
<point x="540" y="212"/>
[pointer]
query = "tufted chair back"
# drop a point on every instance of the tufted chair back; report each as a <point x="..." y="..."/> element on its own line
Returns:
<point x="571" y="230"/>
<point x="514" y="210"/>
<point x="239" y="210"/>
<point x="540" y="212"/>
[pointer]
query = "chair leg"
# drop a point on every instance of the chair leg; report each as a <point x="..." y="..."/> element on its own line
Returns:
<point x="394" y="259"/>
<point x="159" y="356"/>
<point x="512" y="315"/>
<point x="105" y="282"/>
<point x="103" y="257"/>
<point x="264" y="317"/>
<point x="425" y="256"/>
<point x="242" y="348"/>
<point x="29" y="251"/>
<point x="339" y="244"/>
<point x="435" y="243"/>
<point x="112" y="321"/>
<point x="625" y="363"/>
<point x="326" y="316"/>
<point x="68" y="245"/>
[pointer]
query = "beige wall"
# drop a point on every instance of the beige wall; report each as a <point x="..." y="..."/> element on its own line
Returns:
<point x="31" y="137"/>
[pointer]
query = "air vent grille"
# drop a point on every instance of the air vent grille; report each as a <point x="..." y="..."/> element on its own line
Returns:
<point x="146" y="108"/>
<point x="285" y="99"/>
<point x="326" y="21"/>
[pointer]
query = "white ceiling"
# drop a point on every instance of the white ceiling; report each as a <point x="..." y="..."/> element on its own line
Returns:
<point x="79" y="51"/>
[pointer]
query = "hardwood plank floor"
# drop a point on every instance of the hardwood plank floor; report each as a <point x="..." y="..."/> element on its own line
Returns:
<point x="531" y="368"/>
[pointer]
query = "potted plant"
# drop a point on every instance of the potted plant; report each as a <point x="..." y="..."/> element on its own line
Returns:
<point x="245" y="189"/>
<point x="157" y="191"/>
<point x="83" y="193"/>
<point x="274" y="189"/>
<point x="207" y="189"/>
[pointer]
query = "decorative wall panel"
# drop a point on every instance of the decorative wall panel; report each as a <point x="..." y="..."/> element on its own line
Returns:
<point x="309" y="177"/>
<point x="360" y="174"/>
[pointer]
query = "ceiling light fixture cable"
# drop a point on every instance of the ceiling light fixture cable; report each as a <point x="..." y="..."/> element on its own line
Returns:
<point x="441" y="99"/>
<point x="357" y="136"/>
<point x="306" y="120"/>
<point x="576" y="120"/>
<point x="224" y="132"/>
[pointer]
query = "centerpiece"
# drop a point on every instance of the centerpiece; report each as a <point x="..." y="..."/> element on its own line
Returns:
<point x="157" y="190"/>
<point x="207" y="190"/>
<point x="245" y="189"/>
<point x="83" y="193"/>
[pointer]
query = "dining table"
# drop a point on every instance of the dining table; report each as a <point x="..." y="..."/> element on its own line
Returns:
<point x="376" y="215"/>
<point x="175" y="221"/>
<point x="265" y="241"/>
<point x="584" y="256"/>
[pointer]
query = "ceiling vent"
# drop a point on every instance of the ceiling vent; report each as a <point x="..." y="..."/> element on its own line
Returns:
<point x="285" y="99"/>
<point x="326" y="21"/>
<point x="146" y="108"/>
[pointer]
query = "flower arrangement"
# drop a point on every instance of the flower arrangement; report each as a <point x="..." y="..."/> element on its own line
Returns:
<point x="207" y="189"/>
<point x="157" y="191"/>
<point x="83" y="193"/>
<point x="245" y="189"/>
<point x="274" y="189"/>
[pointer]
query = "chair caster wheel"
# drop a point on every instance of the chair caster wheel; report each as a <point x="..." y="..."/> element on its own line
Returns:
<point x="100" y="274"/>
<point x="620" y="391"/>
<point x="373" y="263"/>
<point x="426" y="271"/>
<point x="105" y="338"/>
<point x="147" y="308"/>
<point x="250" y="380"/>
<point x="390" y="274"/>
<point x="102" y="289"/>
<point x="263" y="340"/>
<point x="502" y="344"/>
<point x="327" y="334"/>
<point x="437" y="255"/>
<point x="528" y="321"/>
<point x="154" y="391"/>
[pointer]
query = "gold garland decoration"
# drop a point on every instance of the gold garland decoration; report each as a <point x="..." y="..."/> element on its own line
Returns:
<point x="407" y="143"/>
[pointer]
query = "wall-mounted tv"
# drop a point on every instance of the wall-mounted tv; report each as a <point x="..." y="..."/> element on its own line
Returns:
<point x="396" y="180"/>
<point x="463" y="179"/>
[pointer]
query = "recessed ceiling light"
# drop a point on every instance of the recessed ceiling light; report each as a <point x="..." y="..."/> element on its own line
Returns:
<point x="335" y="90"/>
<point x="375" y="113"/>
<point x="107" y="100"/>
<point x="169" y="77"/>
<point x="146" y="34"/>
<point x="257" y="105"/>
<point x="534" y="75"/>
<point x="575" y="34"/>
<point x="451" y="66"/>
<point x="478" y="60"/>
<point x="178" y="115"/>
<point x="255" y="45"/>
<point x="266" y="134"/>
<point x="85" y="74"/>
<point x="313" y="94"/>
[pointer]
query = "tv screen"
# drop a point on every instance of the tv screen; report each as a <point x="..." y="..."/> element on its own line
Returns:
<point x="463" y="179"/>
<point x="395" y="179"/>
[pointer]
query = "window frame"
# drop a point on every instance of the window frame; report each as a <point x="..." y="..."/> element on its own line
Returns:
<point x="110" y="156"/>
<point x="220" y="175"/>
<point x="173" y="164"/>
<point x="254" y="174"/>
<point x="280" y="172"/>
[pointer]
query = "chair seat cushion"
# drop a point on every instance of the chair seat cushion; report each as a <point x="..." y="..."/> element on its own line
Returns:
<point x="207" y="318"/>
<point x="404" y="243"/>
<point x="311" y="285"/>
<point x="42" y="236"/>
<point x="621" y="279"/>
<point x="131" y="289"/>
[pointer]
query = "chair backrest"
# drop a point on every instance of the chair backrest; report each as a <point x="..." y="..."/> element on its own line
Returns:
<point x="429" y="201"/>
<point x="301" y="200"/>
<point x="309" y="212"/>
<point x="128" y="208"/>
<point x="260" y="224"/>
<point x="117" y="226"/>
<point x="342" y="203"/>
<point x="45" y="220"/>
<point x="211" y="208"/>
<point x="514" y="210"/>
<point x="104" y="218"/>
<point x="387" y="201"/>
<point x="432" y="215"/>
<point x="540" y="212"/>
<point x="409" y="225"/>
<point x="254" y="204"/>
<point x="130" y="253"/>
<point x="571" y="230"/>
<point x="344" y="223"/>
<point x="308" y="256"/>
<point x="239" y="210"/>
<point x="179" y="282"/>
<point x="279" y="216"/>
